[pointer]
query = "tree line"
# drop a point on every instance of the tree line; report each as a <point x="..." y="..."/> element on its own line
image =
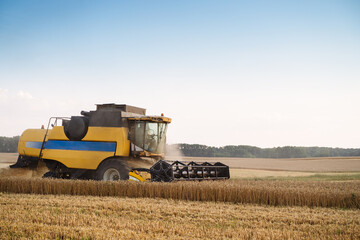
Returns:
<point x="243" y="151"/>
<point x="9" y="145"/>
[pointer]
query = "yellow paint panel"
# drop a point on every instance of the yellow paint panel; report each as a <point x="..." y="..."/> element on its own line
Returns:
<point x="72" y="158"/>
<point x="111" y="134"/>
<point x="77" y="159"/>
<point x="100" y="134"/>
<point x="135" y="177"/>
<point x="31" y="135"/>
<point x="57" y="133"/>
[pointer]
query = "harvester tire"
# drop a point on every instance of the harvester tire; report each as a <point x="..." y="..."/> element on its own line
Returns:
<point x="112" y="170"/>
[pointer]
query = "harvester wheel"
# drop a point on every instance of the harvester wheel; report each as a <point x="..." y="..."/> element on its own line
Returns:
<point x="112" y="170"/>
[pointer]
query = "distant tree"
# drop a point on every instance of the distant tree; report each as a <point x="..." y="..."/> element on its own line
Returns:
<point x="9" y="144"/>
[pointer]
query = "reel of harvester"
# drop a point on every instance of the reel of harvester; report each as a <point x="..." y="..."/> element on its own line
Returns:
<point x="168" y="171"/>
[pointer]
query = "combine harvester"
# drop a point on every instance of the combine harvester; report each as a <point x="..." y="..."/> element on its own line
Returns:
<point x="115" y="142"/>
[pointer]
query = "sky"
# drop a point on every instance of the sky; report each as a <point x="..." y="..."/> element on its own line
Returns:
<point x="260" y="73"/>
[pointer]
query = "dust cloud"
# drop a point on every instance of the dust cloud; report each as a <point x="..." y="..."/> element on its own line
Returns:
<point x="141" y="163"/>
<point x="173" y="153"/>
<point x="24" y="172"/>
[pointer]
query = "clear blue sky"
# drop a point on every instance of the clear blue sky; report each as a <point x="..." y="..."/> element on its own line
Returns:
<point x="264" y="73"/>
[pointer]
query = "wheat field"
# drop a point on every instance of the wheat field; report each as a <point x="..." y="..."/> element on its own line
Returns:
<point x="25" y="216"/>
<point x="344" y="194"/>
<point x="36" y="208"/>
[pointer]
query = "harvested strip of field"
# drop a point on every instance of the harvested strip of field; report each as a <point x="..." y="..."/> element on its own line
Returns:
<point x="8" y="157"/>
<point x="276" y="193"/>
<point x="88" y="217"/>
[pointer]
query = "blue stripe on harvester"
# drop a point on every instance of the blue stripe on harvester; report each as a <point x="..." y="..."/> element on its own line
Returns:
<point x="75" y="145"/>
<point x="33" y="144"/>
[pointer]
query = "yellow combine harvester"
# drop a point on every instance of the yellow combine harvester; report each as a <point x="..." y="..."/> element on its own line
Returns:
<point x="115" y="142"/>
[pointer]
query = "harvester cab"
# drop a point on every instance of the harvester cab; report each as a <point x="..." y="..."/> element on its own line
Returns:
<point x="147" y="136"/>
<point x="114" y="142"/>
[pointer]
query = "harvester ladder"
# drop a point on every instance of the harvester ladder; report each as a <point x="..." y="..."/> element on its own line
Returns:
<point x="44" y="140"/>
<point x="43" y="143"/>
<point x="46" y="133"/>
